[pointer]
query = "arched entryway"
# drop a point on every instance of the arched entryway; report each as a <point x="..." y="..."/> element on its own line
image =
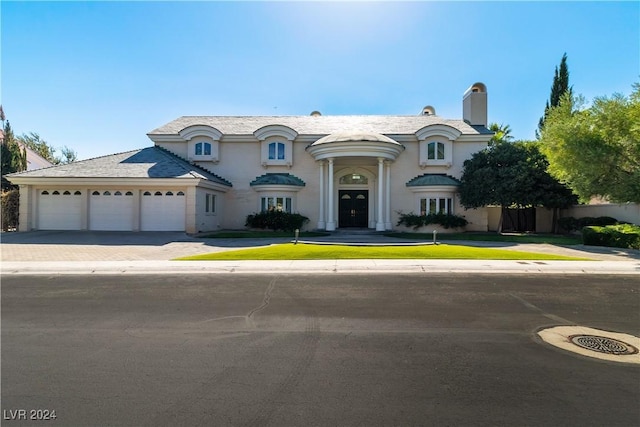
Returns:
<point x="355" y="187"/>
<point x="350" y="207"/>
<point x="353" y="208"/>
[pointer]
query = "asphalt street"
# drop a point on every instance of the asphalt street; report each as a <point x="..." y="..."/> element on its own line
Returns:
<point x="290" y="350"/>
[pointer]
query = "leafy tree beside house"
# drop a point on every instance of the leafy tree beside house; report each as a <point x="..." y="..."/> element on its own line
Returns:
<point x="596" y="150"/>
<point x="501" y="133"/>
<point x="12" y="157"/>
<point x="47" y="151"/>
<point x="511" y="175"/>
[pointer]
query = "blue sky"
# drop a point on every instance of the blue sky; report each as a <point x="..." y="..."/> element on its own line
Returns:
<point x="97" y="76"/>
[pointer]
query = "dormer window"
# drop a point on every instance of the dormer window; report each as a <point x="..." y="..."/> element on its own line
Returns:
<point x="276" y="145"/>
<point x="203" y="149"/>
<point x="436" y="145"/>
<point x="276" y="151"/>
<point x="435" y="151"/>
<point x="203" y="143"/>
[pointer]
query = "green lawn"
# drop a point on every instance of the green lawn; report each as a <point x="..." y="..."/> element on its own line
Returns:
<point x="553" y="239"/>
<point x="289" y="251"/>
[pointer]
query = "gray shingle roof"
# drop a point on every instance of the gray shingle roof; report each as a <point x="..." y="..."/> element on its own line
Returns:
<point x="151" y="162"/>
<point x="429" y="179"/>
<point x="318" y="125"/>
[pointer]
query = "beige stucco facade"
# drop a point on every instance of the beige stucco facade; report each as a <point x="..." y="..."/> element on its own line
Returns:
<point x="339" y="171"/>
<point x="240" y="162"/>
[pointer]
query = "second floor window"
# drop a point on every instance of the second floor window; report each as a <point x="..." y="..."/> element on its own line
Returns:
<point x="203" y="149"/>
<point x="276" y="151"/>
<point x="435" y="151"/>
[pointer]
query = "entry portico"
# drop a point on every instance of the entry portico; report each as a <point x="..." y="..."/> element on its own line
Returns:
<point x="349" y="157"/>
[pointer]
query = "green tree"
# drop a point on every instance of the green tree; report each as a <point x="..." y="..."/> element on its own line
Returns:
<point x="12" y="157"/>
<point x="45" y="150"/>
<point x="559" y="87"/>
<point x="502" y="133"/>
<point x="596" y="150"/>
<point x="511" y="175"/>
<point x="68" y="155"/>
<point x="10" y="208"/>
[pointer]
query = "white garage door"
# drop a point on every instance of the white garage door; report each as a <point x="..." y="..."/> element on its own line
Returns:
<point x="162" y="211"/>
<point x="60" y="210"/>
<point x="111" y="210"/>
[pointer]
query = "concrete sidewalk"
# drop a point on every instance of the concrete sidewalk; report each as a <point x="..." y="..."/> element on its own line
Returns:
<point x="54" y="252"/>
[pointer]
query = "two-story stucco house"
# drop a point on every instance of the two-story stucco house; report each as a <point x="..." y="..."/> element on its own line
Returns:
<point x="208" y="173"/>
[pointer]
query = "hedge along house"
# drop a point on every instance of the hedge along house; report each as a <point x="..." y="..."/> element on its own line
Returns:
<point x="208" y="173"/>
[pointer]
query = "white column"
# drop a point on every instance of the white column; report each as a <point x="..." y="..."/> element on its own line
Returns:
<point x="387" y="223"/>
<point x="331" y="223"/>
<point x="26" y="207"/>
<point x="86" y="208"/>
<point x="380" y="220"/>
<point x="321" y="223"/>
<point x="137" y="209"/>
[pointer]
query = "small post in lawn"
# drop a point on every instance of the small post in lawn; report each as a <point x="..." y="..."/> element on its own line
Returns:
<point x="295" y="242"/>
<point x="435" y="236"/>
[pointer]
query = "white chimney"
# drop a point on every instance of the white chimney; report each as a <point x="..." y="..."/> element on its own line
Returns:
<point x="474" y="105"/>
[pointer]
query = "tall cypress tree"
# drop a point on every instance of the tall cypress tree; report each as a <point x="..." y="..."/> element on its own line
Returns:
<point x="559" y="87"/>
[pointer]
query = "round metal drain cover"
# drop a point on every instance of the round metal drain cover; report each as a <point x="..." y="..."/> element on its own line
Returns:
<point x="603" y="344"/>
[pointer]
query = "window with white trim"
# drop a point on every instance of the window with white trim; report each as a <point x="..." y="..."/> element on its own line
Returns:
<point x="435" y="150"/>
<point x="202" y="149"/>
<point x="210" y="203"/>
<point x="281" y="204"/>
<point x="276" y="151"/>
<point x="434" y="205"/>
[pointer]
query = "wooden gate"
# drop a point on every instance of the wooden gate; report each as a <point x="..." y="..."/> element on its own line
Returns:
<point x="519" y="220"/>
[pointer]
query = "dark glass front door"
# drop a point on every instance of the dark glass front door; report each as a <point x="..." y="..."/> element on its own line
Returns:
<point x="353" y="208"/>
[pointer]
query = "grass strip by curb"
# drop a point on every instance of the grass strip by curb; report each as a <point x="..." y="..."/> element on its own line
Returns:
<point x="289" y="251"/>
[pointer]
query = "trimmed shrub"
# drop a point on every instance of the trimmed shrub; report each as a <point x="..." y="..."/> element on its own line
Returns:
<point x="445" y="220"/>
<point x="572" y="224"/>
<point x="569" y="224"/>
<point x="276" y="220"/>
<point x="10" y="209"/>
<point x="616" y="236"/>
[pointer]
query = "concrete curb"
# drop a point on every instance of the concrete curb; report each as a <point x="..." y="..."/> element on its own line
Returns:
<point x="357" y="266"/>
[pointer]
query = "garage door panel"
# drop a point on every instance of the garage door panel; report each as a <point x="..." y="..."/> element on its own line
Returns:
<point x="111" y="210"/>
<point x="163" y="211"/>
<point x="60" y="210"/>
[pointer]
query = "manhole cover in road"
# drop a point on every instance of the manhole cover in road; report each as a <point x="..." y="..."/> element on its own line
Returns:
<point x="595" y="343"/>
<point x="603" y="344"/>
